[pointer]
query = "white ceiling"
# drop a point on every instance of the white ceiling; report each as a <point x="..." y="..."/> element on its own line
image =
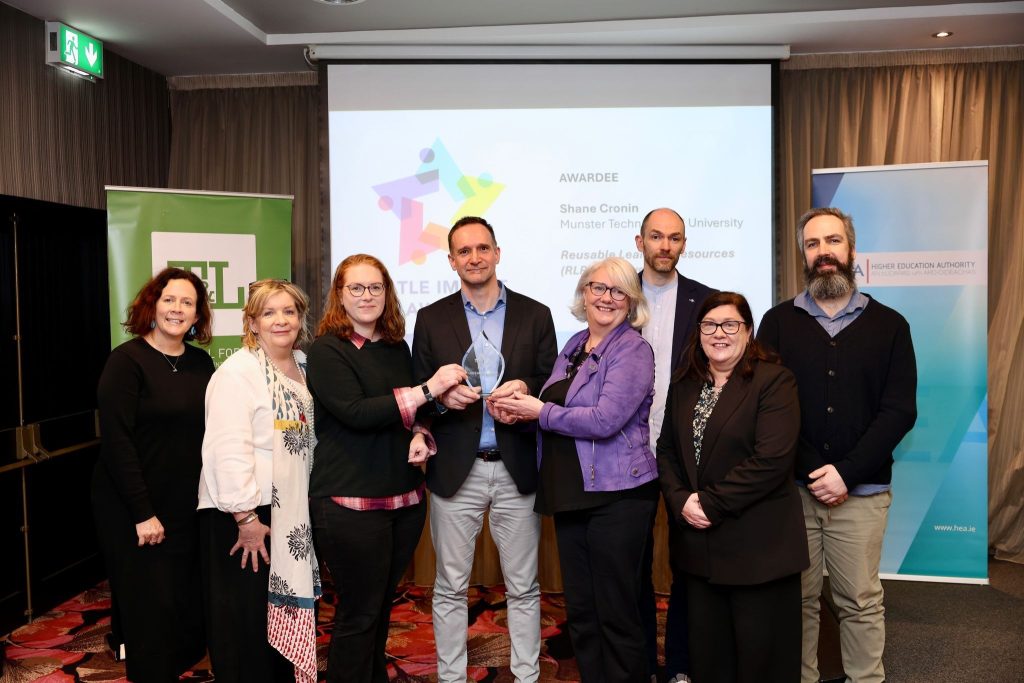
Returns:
<point x="185" y="37"/>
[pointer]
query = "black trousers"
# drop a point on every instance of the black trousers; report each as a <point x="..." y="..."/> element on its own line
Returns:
<point x="677" y="646"/>
<point x="367" y="553"/>
<point x="600" y="550"/>
<point x="745" y="634"/>
<point x="155" y="591"/>
<point x="236" y="606"/>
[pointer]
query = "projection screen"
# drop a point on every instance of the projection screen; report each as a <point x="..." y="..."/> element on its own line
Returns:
<point x="563" y="159"/>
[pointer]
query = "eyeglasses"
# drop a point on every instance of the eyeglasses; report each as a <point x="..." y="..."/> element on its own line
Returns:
<point x="376" y="289"/>
<point x="708" y="327"/>
<point x="599" y="288"/>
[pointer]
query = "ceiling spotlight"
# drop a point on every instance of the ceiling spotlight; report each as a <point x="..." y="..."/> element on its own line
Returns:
<point x="940" y="34"/>
<point x="339" y="2"/>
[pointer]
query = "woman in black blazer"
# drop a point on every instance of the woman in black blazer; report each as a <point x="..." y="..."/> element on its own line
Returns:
<point x="726" y="464"/>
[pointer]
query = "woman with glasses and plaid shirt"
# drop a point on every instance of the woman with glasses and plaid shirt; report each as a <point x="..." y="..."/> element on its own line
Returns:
<point x="367" y="496"/>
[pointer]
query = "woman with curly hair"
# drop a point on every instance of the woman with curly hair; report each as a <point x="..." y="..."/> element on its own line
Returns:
<point x="150" y="399"/>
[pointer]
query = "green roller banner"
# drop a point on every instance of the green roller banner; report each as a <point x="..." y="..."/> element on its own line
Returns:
<point x="228" y="240"/>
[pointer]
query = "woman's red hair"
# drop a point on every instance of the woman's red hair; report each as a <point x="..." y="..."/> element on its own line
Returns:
<point x="390" y="325"/>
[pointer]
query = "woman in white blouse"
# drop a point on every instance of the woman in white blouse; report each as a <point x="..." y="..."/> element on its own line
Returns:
<point x="257" y="455"/>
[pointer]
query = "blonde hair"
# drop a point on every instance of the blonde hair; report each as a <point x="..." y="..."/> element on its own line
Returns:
<point x="259" y="293"/>
<point x="622" y="275"/>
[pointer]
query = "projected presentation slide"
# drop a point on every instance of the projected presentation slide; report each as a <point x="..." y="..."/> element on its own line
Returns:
<point x="564" y="182"/>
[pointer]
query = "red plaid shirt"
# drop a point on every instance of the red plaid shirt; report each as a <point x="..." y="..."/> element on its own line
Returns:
<point x="406" y="399"/>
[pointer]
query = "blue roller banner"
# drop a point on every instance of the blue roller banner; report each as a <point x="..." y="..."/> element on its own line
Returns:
<point x="922" y="248"/>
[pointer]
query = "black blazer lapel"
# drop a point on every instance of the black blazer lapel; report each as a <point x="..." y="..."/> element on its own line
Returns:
<point x="457" y="318"/>
<point x="686" y="309"/>
<point x="686" y="400"/>
<point x="514" y="320"/>
<point x="733" y="395"/>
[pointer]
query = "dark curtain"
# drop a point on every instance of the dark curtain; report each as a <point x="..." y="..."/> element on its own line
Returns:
<point x="916" y="107"/>
<point x="258" y="137"/>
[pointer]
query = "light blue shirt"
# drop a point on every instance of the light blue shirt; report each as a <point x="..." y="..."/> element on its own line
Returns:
<point x="833" y="325"/>
<point x="492" y="323"/>
<point x="841" y="320"/>
<point x="659" y="331"/>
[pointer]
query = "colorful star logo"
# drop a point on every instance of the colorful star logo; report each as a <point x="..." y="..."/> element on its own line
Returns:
<point x="437" y="170"/>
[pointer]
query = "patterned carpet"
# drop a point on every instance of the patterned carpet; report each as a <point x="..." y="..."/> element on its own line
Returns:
<point x="69" y="643"/>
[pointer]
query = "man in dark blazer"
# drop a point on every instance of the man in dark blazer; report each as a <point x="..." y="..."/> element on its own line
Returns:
<point x="483" y="464"/>
<point x="674" y="301"/>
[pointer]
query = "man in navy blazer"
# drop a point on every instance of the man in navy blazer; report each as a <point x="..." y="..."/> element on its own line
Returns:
<point x="483" y="464"/>
<point x="674" y="301"/>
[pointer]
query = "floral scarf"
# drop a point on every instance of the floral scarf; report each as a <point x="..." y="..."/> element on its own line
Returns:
<point x="294" y="572"/>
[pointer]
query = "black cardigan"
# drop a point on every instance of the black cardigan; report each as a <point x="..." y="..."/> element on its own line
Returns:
<point x="858" y="390"/>
<point x="362" y="446"/>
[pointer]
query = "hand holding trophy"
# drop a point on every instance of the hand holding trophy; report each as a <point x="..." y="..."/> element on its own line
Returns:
<point x="484" y="365"/>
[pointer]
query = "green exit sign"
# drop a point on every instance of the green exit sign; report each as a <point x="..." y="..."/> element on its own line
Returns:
<point x="74" y="51"/>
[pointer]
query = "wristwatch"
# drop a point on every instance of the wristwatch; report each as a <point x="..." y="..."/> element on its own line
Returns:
<point x="426" y="392"/>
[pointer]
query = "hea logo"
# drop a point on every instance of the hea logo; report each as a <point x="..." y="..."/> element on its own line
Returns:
<point x="225" y="263"/>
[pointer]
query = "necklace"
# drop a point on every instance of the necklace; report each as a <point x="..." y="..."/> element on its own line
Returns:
<point x="302" y="377"/>
<point x="576" y="361"/>
<point x="177" y="359"/>
<point x="174" y="365"/>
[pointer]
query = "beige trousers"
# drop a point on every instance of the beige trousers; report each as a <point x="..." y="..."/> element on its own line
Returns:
<point x="847" y="541"/>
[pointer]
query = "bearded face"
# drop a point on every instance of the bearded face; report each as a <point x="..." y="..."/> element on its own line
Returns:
<point x="824" y="283"/>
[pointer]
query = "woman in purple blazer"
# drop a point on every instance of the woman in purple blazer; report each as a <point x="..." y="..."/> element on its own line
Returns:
<point x="598" y="477"/>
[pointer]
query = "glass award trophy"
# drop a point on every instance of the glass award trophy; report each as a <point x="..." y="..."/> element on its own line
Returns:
<point x="484" y="365"/>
